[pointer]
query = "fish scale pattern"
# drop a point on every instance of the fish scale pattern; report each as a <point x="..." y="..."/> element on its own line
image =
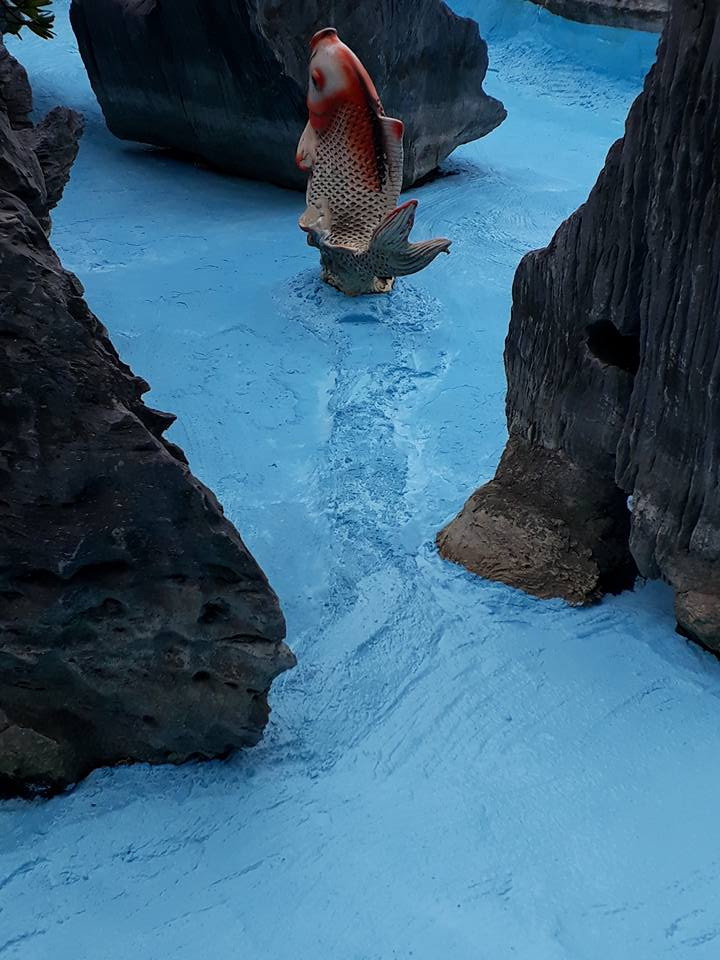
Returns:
<point x="356" y="161"/>
<point x="351" y="179"/>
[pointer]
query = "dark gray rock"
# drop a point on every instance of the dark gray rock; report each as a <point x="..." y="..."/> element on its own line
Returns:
<point x="134" y="623"/>
<point x="35" y="161"/>
<point x="226" y="81"/>
<point x="20" y="170"/>
<point x="613" y="356"/>
<point x="55" y="141"/>
<point x="15" y="92"/>
<point x="636" y="14"/>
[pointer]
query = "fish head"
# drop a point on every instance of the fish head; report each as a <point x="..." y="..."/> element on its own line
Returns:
<point x="337" y="77"/>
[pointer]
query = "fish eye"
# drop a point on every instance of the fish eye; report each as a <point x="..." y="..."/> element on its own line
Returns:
<point x="318" y="79"/>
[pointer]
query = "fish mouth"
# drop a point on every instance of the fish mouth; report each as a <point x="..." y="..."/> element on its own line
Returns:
<point x="325" y="34"/>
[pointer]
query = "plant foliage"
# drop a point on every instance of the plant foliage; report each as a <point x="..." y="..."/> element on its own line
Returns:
<point x="15" y="15"/>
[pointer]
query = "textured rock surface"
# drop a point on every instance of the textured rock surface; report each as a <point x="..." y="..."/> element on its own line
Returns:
<point x="547" y="525"/>
<point x="134" y="624"/>
<point x="613" y="353"/>
<point x="15" y="93"/>
<point x="638" y="14"/>
<point x="226" y="81"/>
<point x="587" y="731"/>
<point x="35" y="161"/>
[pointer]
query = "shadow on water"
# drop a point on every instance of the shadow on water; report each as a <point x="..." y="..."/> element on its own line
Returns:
<point x="360" y="318"/>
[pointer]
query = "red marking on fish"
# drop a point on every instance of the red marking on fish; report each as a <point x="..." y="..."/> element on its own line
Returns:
<point x="323" y="34"/>
<point x="350" y="83"/>
<point x="397" y="127"/>
<point x="354" y="154"/>
<point x="353" y="151"/>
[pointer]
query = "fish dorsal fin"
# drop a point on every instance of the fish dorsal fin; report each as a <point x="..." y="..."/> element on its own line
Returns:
<point x="393" y="140"/>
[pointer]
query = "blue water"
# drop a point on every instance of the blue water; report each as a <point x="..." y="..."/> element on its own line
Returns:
<point x="454" y="770"/>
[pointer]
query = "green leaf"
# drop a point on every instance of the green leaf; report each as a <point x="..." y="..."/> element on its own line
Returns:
<point x="16" y="15"/>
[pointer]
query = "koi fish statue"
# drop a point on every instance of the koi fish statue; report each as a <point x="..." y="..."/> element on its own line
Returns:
<point x="354" y="155"/>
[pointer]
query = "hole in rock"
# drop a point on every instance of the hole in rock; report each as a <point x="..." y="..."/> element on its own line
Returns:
<point x="201" y="676"/>
<point x="213" y="611"/>
<point x="612" y="347"/>
<point x="110" y="607"/>
<point x="94" y="572"/>
<point x="11" y="595"/>
<point x="150" y="721"/>
<point x="40" y="578"/>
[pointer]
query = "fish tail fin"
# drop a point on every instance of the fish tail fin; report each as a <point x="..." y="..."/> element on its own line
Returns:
<point x="390" y="240"/>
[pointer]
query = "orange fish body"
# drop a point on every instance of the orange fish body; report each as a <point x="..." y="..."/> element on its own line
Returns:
<point x="354" y="155"/>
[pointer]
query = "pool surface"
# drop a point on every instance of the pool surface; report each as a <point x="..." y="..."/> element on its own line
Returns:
<point x="454" y="771"/>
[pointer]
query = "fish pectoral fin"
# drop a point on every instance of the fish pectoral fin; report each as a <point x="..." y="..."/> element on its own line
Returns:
<point x="309" y="219"/>
<point x="393" y="139"/>
<point x="390" y="240"/>
<point x="306" y="153"/>
<point x="317" y="217"/>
